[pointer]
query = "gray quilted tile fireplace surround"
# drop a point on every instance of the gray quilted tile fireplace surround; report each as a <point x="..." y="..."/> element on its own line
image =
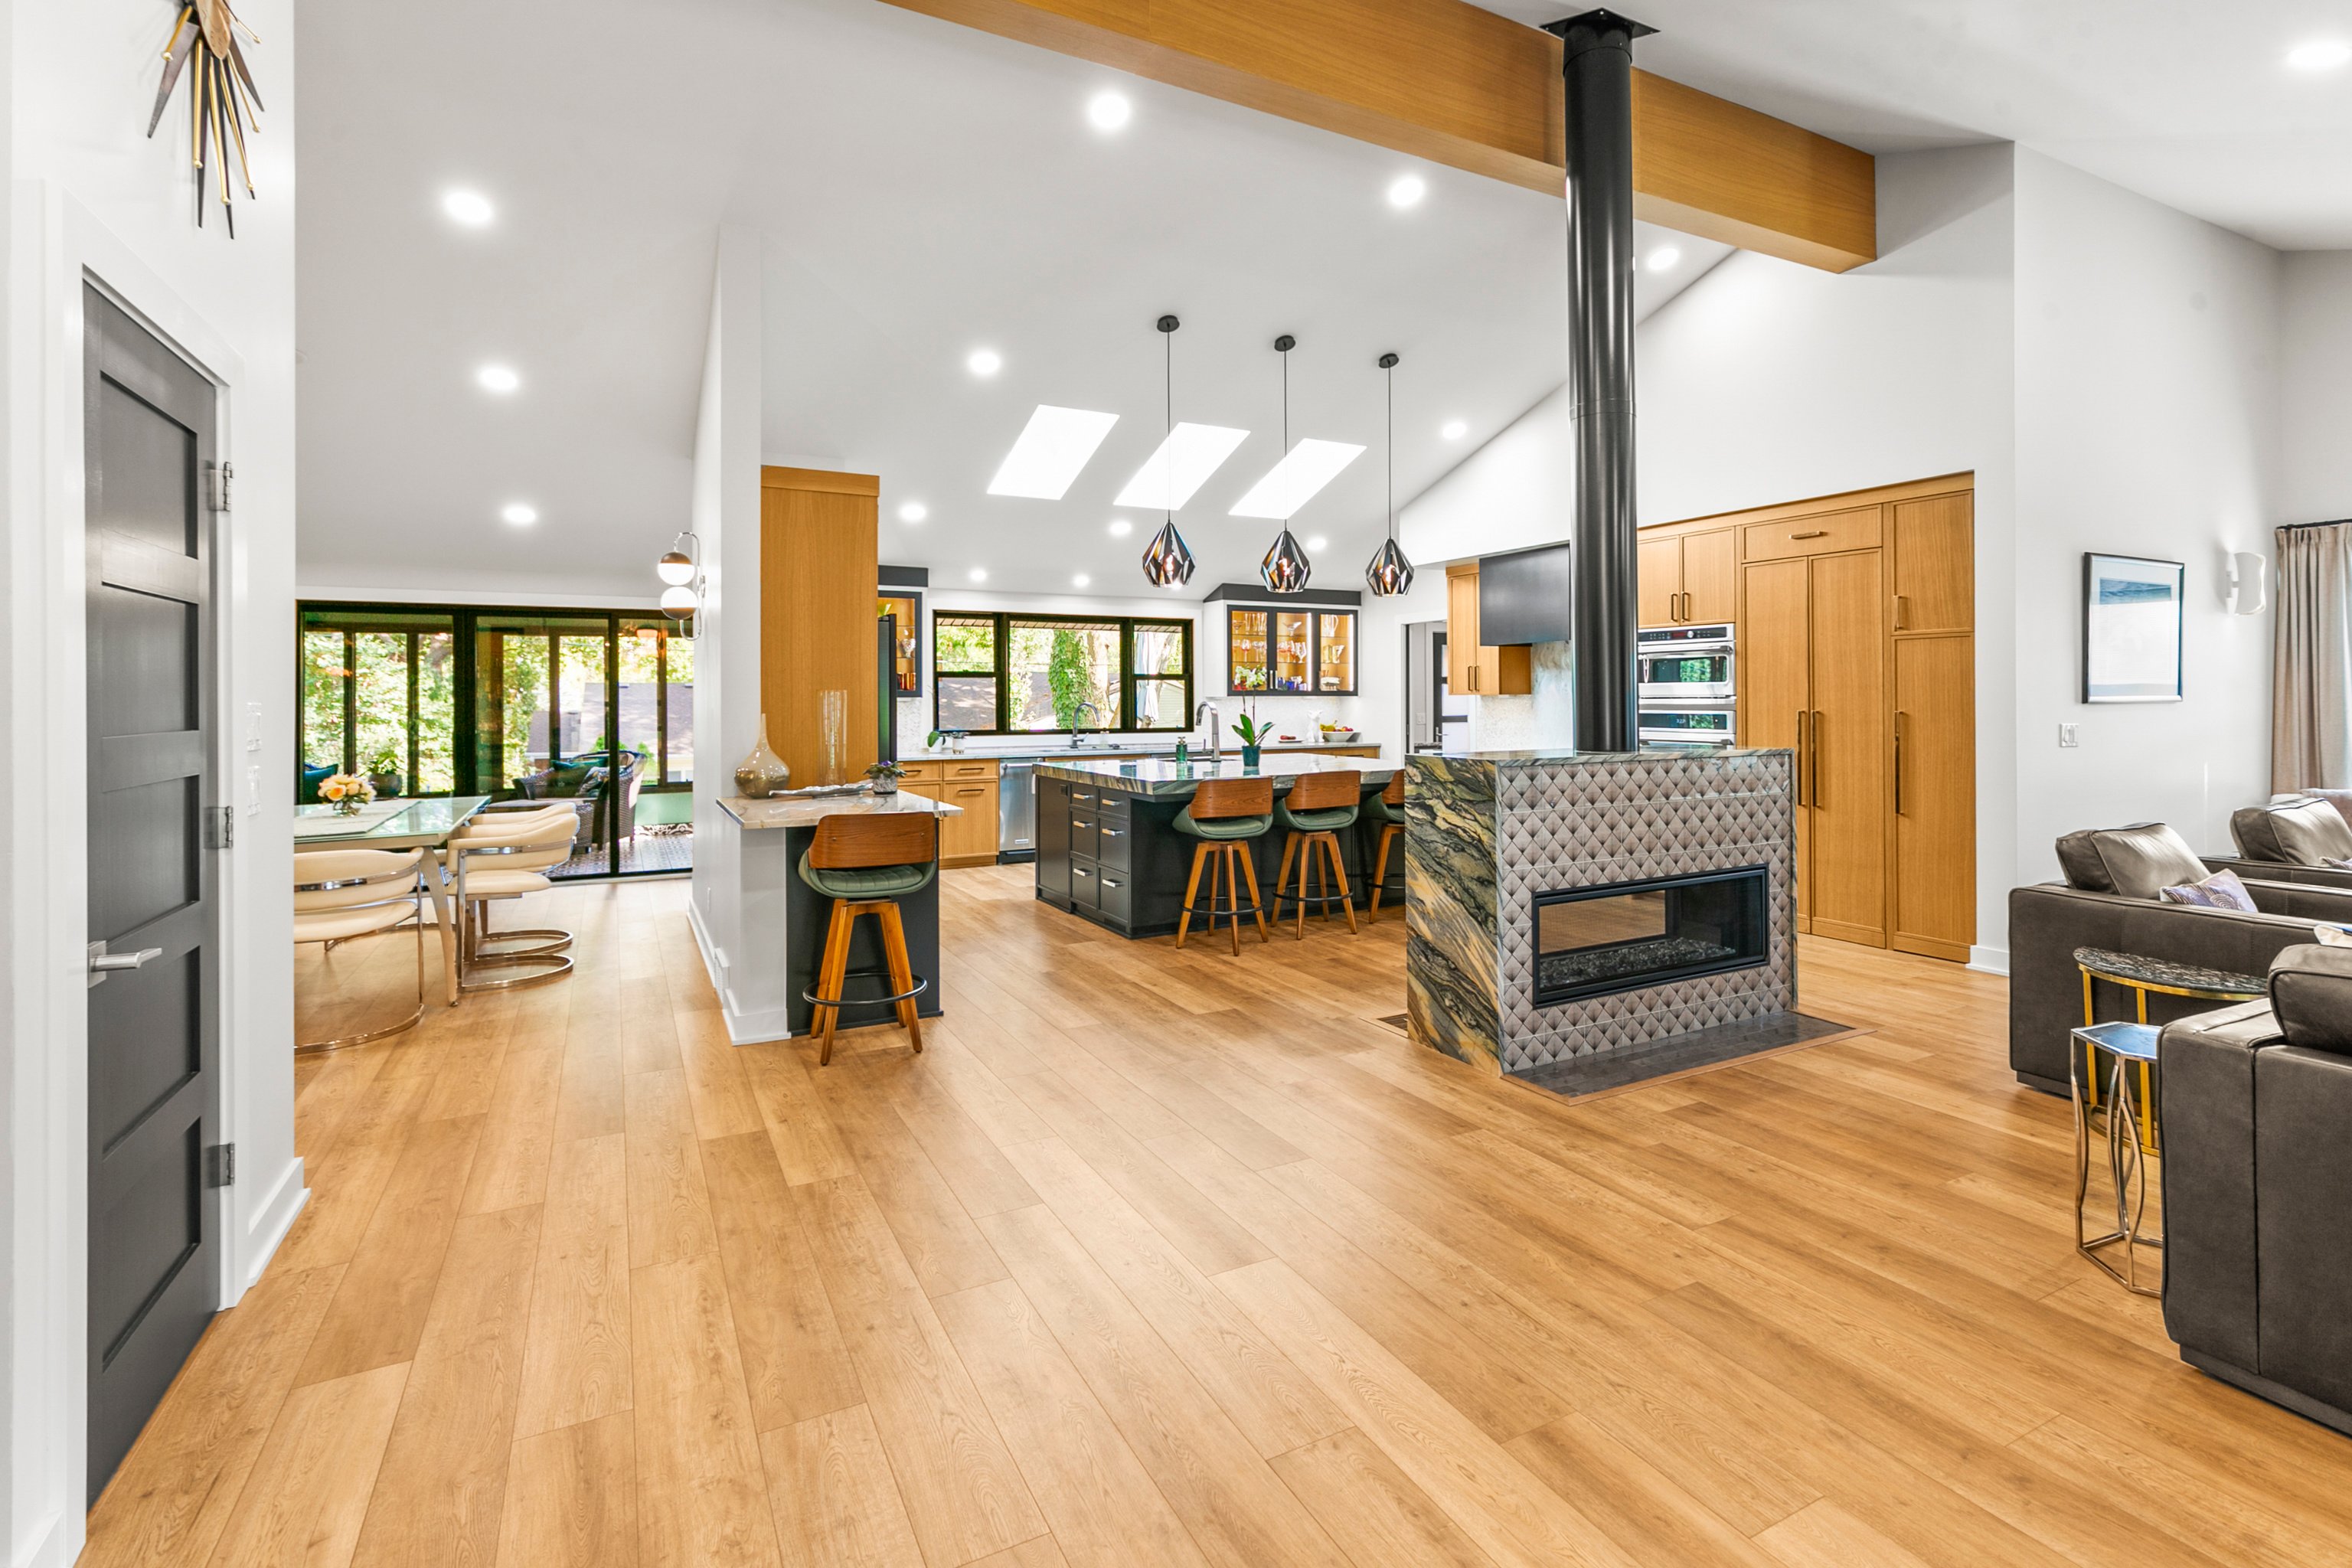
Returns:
<point x="1489" y="837"/>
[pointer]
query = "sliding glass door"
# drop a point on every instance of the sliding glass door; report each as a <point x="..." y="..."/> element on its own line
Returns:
<point x="593" y="709"/>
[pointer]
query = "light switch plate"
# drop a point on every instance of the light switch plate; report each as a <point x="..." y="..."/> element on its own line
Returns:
<point x="2068" y="735"/>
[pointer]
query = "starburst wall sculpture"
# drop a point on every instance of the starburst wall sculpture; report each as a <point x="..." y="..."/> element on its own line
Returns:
<point x="222" y="99"/>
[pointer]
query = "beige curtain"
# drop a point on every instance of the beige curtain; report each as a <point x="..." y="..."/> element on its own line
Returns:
<point x="2311" y="664"/>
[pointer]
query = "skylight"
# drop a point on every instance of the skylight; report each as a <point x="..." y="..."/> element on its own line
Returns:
<point x="1294" y="481"/>
<point x="1055" y="444"/>
<point x="1180" y="467"/>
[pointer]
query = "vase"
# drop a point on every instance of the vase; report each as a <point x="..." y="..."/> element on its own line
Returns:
<point x="1249" y="756"/>
<point x="348" y="806"/>
<point x="886" y="784"/>
<point x="836" y="709"/>
<point x="386" y="785"/>
<point x="762" y="774"/>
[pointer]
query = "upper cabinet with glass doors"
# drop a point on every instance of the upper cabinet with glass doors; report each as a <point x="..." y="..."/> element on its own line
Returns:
<point x="1303" y="652"/>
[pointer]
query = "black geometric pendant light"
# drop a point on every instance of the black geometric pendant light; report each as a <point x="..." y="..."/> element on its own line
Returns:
<point x="1285" y="569"/>
<point x="1390" y="573"/>
<point x="1166" y="562"/>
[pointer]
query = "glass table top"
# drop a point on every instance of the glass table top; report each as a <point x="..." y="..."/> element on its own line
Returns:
<point x="429" y="820"/>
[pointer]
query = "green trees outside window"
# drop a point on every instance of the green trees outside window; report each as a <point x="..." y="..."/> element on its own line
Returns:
<point x="995" y="675"/>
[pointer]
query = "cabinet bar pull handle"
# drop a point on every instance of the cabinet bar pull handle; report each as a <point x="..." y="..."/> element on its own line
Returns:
<point x="1899" y="717"/>
<point x="1811" y="533"/>
<point x="1801" y="758"/>
<point x="1902" y="612"/>
<point x="1816" y="758"/>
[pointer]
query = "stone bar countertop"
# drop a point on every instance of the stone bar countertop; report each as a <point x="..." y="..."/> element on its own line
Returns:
<point x="1164" y="778"/>
<point x="806" y="811"/>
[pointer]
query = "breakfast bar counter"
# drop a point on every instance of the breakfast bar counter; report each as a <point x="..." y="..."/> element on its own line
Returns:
<point x="1107" y="848"/>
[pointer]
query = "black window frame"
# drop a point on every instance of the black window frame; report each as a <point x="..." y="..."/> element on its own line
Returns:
<point x="1002" y="622"/>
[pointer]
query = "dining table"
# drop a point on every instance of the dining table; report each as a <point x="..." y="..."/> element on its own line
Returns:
<point x="426" y="822"/>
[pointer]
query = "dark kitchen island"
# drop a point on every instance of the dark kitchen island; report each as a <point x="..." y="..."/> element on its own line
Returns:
<point x="1107" y="848"/>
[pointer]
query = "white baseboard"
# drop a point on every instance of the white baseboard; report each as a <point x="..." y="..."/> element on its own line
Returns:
<point x="1989" y="960"/>
<point x="51" y="1546"/>
<point x="743" y="1027"/>
<point x="272" y="1220"/>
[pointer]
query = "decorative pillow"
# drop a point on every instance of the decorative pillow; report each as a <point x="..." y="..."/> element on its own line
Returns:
<point x="568" y="778"/>
<point x="2221" y="890"/>
<point x="2332" y="936"/>
<point x="2138" y="862"/>
<point x="2298" y="832"/>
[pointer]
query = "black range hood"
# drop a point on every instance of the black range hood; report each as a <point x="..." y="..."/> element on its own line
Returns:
<point x="1597" y="60"/>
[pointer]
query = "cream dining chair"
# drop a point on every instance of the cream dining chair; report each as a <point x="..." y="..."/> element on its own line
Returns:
<point x="492" y="865"/>
<point x="340" y="894"/>
<point x="500" y="824"/>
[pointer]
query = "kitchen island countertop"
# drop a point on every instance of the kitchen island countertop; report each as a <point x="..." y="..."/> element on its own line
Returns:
<point x="1164" y="778"/>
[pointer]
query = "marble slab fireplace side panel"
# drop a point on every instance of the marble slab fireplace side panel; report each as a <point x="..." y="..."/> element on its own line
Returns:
<point x="1623" y="818"/>
<point x="1449" y="908"/>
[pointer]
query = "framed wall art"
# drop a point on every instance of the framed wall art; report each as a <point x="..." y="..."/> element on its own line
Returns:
<point x="2131" y="629"/>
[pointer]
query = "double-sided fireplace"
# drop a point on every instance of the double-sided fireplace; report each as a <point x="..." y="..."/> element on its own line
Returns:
<point x="1627" y="936"/>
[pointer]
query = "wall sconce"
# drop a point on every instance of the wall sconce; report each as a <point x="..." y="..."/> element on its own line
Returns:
<point x="2246" y="588"/>
<point x="681" y="569"/>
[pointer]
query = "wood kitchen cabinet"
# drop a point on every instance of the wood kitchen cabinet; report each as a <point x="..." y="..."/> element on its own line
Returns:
<point x="1686" y="578"/>
<point x="969" y="784"/>
<point x="1856" y="619"/>
<point x="1472" y="669"/>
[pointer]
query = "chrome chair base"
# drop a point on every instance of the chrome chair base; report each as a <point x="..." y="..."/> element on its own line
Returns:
<point x="316" y="1048"/>
<point x="548" y="966"/>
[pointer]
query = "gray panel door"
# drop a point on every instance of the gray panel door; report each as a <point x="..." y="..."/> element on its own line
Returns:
<point x="154" y="1056"/>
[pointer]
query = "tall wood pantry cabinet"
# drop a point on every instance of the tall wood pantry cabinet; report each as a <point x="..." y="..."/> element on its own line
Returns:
<point x="1855" y="627"/>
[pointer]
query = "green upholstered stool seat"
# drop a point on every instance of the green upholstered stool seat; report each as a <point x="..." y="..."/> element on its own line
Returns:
<point x="1222" y="827"/>
<point x="1326" y="821"/>
<point x="868" y="881"/>
<point x="1381" y="811"/>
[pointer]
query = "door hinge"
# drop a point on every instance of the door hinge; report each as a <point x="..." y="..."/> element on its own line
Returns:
<point x="223" y="474"/>
<point x="220" y="827"/>
<point x="223" y="1165"/>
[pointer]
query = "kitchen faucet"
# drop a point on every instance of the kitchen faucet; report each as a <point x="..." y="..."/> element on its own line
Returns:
<point x="1078" y="729"/>
<point x="1211" y="709"/>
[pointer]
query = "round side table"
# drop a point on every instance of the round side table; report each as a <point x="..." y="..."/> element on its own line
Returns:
<point x="2164" y="978"/>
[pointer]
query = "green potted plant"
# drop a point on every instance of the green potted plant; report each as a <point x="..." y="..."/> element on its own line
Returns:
<point x="885" y="777"/>
<point x="384" y="771"/>
<point x="1252" y="732"/>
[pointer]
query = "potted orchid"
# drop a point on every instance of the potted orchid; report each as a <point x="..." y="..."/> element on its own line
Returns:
<point x="1253" y="731"/>
<point x="346" y="792"/>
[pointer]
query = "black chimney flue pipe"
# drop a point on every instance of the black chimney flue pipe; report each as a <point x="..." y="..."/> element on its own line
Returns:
<point x="1597" y="57"/>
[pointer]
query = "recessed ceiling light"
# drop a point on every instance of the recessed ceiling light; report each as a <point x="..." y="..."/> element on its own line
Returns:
<point x="1406" y="191"/>
<point x="2319" y="55"/>
<point x="1080" y="581"/>
<point x="1052" y="448"/>
<point x="1664" y="257"/>
<point x="519" y="513"/>
<point x="1292" y="483"/>
<point x="980" y="573"/>
<point x="470" y="207"/>
<point x="913" y="511"/>
<point x="1109" y="111"/>
<point x="1186" y="456"/>
<point x="1120" y="528"/>
<point x="1455" y="429"/>
<point x="498" y="378"/>
<point x="983" y="362"/>
<point x="1318" y="542"/>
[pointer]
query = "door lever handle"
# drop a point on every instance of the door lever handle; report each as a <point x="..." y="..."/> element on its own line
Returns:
<point x="102" y="962"/>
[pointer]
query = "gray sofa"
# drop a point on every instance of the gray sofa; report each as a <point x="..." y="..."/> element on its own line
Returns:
<point x="2293" y="840"/>
<point x="2255" y="1102"/>
<point x="2110" y="901"/>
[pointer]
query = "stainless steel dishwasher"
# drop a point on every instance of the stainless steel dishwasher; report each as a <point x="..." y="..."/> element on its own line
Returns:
<point x="1016" y="808"/>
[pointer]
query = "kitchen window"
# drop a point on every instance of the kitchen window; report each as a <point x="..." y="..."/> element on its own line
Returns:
<point x="1040" y="675"/>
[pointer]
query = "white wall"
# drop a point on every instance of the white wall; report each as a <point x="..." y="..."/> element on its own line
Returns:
<point x="90" y="189"/>
<point x="2148" y="373"/>
<point x="2315" y="387"/>
<point x="1767" y="382"/>
<point x="738" y="907"/>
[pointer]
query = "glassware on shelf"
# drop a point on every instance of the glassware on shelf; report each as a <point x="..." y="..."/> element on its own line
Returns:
<point x="835" y="706"/>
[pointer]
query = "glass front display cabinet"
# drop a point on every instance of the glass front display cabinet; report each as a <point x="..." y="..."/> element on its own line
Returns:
<point x="1297" y="652"/>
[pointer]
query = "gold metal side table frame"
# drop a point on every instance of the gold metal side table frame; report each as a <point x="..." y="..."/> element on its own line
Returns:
<point x="2097" y="964"/>
<point x="2128" y="1148"/>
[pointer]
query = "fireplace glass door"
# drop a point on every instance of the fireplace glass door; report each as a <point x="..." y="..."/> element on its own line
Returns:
<point x="1626" y="936"/>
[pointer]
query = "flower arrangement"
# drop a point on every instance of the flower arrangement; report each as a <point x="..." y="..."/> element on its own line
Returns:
<point x="346" y="792"/>
<point x="885" y="777"/>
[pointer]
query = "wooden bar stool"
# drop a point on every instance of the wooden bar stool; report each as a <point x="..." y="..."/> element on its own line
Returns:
<point x="1317" y="806"/>
<point x="1387" y="808"/>
<point x="866" y="862"/>
<point x="1225" y="815"/>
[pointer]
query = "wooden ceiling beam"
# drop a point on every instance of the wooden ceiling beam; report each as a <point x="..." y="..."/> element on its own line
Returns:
<point x="1445" y="80"/>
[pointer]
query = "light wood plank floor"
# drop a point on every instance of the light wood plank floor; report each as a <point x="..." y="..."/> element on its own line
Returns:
<point x="1170" y="1258"/>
